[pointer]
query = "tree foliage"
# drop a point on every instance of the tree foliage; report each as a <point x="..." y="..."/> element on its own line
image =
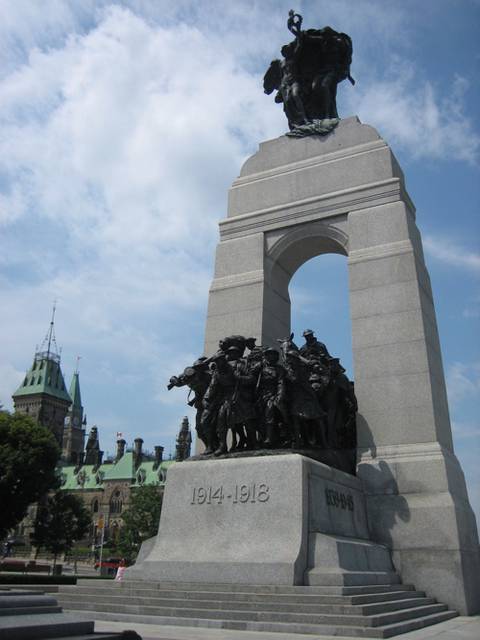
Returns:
<point x="28" y="457"/>
<point x="62" y="520"/>
<point x="140" y="520"/>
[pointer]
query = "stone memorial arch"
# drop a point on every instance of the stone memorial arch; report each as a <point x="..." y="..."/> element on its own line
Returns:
<point x="345" y="193"/>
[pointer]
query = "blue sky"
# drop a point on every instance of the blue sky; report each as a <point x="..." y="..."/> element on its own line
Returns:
<point x="122" y="125"/>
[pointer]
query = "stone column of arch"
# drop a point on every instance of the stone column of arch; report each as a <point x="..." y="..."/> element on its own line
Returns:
<point x="299" y="198"/>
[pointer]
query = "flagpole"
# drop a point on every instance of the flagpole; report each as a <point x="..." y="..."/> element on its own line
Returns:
<point x="102" y="521"/>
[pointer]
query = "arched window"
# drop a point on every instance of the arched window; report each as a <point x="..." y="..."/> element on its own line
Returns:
<point x="95" y="506"/>
<point x="116" y="503"/>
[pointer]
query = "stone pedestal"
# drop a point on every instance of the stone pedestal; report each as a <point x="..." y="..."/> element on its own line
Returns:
<point x="282" y="520"/>
<point x="345" y="193"/>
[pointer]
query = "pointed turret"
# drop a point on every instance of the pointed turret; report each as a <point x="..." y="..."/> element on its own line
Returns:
<point x="184" y="441"/>
<point x="43" y="394"/>
<point x="74" y="433"/>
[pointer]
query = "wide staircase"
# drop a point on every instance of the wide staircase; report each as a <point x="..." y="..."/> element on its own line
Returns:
<point x="31" y="615"/>
<point x="362" y="610"/>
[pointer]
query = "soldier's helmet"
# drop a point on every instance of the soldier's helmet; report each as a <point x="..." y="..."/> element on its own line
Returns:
<point x="269" y="351"/>
<point x="308" y="332"/>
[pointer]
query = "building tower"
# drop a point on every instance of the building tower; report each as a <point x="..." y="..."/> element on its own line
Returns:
<point x="74" y="431"/>
<point x="184" y="441"/>
<point x="93" y="455"/>
<point x="43" y="395"/>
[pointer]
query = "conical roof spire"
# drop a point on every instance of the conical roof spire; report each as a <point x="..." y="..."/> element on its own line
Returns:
<point x="45" y="374"/>
<point x="75" y="392"/>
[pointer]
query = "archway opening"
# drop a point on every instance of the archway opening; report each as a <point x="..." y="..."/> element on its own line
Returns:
<point x="319" y="297"/>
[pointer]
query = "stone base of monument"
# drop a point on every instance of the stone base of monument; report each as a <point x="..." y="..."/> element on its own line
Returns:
<point x="278" y="543"/>
<point x="282" y="519"/>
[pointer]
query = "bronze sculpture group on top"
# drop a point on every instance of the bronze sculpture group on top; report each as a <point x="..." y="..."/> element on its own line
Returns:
<point x="306" y="78"/>
<point x="295" y="398"/>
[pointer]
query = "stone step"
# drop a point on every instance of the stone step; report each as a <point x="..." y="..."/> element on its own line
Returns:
<point x="27" y="591"/>
<point x="43" y="626"/>
<point x="95" y="636"/>
<point x="19" y="599"/>
<point x="292" y="629"/>
<point x="251" y="603"/>
<point x="351" y="578"/>
<point x="358" y="619"/>
<point x="245" y="597"/>
<point x="389" y="631"/>
<point x="23" y="611"/>
<point x="137" y="586"/>
<point x="220" y="596"/>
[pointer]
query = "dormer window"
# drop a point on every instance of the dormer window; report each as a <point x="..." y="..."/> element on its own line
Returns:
<point x="141" y="476"/>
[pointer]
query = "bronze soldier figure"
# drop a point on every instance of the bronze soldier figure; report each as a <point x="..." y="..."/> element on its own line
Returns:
<point x="271" y="396"/>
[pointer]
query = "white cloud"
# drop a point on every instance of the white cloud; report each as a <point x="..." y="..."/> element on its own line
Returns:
<point x="452" y="254"/>
<point x="463" y="381"/>
<point x="465" y="430"/>
<point x="10" y="379"/>
<point x="412" y="115"/>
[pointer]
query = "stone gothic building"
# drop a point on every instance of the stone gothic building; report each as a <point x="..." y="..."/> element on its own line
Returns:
<point x="44" y="397"/>
<point x="104" y="486"/>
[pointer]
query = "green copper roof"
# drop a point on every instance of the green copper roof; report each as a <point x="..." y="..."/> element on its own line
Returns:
<point x="44" y="376"/>
<point x="124" y="469"/>
<point x="75" y="392"/>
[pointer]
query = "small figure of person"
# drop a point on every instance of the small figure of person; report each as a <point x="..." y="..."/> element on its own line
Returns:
<point x="122" y="565"/>
<point x="7" y="549"/>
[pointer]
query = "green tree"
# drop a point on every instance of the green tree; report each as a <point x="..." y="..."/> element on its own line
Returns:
<point x="28" y="457"/>
<point x="62" y="520"/>
<point x="140" y="520"/>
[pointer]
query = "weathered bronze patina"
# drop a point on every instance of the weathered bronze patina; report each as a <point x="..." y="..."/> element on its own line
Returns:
<point x="271" y="401"/>
<point x="306" y="77"/>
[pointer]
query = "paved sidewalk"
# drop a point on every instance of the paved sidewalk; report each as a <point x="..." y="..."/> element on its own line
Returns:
<point x="461" y="628"/>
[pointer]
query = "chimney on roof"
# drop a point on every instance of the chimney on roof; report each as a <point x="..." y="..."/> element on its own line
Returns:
<point x="158" y="456"/>
<point x="120" y="449"/>
<point x="80" y="459"/>
<point x="137" y="451"/>
<point x="98" y="460"/>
